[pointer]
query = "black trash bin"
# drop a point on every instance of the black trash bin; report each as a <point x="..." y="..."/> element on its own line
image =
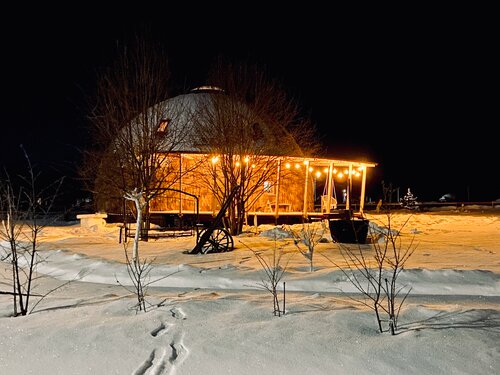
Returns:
<point x="346" y="228"/>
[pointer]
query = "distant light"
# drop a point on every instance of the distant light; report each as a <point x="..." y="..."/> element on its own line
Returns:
<point x="310" y="169"/>
<point x="361" y="168"/>
<point x="325" y="170"/>
<point x="334" y="170"/>
<point x="253" y="165"/>
<point x="318" y="174"/>
<point x="357" y="174"/>
<point x="247" y="159"/>
<point x="297" y="165"/>
<point x="306" y="162"/>
<point x="287" y="165"/>
<point x="237" y="163"/>
<point x="340" y="175"/>
<point x="346" y="171"/>
<point x="215" y="159"/>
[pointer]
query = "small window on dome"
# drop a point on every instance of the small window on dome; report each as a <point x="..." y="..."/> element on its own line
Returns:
<point x="163" y="125"/>
<point x="267" y="186"/>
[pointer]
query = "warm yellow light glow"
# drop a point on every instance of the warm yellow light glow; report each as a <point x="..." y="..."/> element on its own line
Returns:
<point x="247" y="159"/>
<point x="334" y="170"/>
<point x="215" y="159"/>
<point x="357" y="174"/>
<point x="361" y="168"/>
<point x="297" y="165"/>
<point x="346" y="171"/>
<point x="306" y="162"/>
<point x="287" y="165"/>
<point x="310" y="169"/>
<point x="253" y="165"/>
<point x="237" y="163"/>
<point x="325" y="170"/>
<point x="318" y="174"/>
<point x="340" y="175"/>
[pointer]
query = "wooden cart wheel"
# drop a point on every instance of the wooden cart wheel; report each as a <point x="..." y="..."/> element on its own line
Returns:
<point x="219" y="241"/>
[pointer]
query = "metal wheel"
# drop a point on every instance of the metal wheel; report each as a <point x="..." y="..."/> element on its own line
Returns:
<point x="219" y="241"/>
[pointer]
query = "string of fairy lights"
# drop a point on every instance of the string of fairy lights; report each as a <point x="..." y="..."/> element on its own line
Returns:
<point x="316" y="171"/>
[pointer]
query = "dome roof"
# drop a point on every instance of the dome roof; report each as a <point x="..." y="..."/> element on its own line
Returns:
<point x="184" y="116"/>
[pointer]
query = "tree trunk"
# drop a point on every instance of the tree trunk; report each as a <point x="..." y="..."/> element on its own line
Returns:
<point x="378" y="318"/>
<point x="232" y="217"/>
<point x="138" y="230"/>
<point x="32" y="264"/>
<point x="240" y="216"/>
<point x="138" y="199"/>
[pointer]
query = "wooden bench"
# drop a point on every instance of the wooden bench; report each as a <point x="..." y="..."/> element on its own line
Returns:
<point x="89" y="220"/>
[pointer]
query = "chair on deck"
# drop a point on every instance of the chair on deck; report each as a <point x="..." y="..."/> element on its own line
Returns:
<point x="324" y="203"/>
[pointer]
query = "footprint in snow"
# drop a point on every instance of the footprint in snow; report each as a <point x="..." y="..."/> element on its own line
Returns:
<point x="177" y="313"/>
<point x="178" y="353"/>
<point x="160" y="330"/>
<point x="155" y="364"/>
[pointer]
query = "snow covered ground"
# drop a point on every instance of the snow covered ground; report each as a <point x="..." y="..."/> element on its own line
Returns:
<point x="211" y="317"/>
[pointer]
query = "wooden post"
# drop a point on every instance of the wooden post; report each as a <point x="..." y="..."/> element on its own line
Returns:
<point x="276" y="208"/>
<point x="330" y="189"/>
<point x="214" y="196"/>
<point x="304" y="213"/>
<point x="348" y="189"/>
<point x="180" y="184"/>
<point x="363" y="189"/>
<point x="284" y="296"/>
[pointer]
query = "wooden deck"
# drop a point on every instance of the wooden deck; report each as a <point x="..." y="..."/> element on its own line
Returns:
<point x="172" y="219"/>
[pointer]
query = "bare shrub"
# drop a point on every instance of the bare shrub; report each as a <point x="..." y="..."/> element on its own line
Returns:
<point x="274" y="267"/>
<point x="25" y="209"/>
<point x="374" y="271"/>
<point x="309" y="236"/>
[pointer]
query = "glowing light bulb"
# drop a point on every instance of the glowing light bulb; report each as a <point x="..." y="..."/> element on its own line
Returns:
<point x="340" y="175"/>
<point x="287" y="165"/>
<point x="215" y="159"/>
<point x="318" y="174"/>
<point x="297" y="165"/>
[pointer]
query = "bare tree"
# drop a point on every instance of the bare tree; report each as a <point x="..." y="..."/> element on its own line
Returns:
<point x="374" y="271"/>
<point x="135" y="133"/>
<point x="24" y="213"/>
<point x="247" y="127"/>
<point x="137" y="137"/>
<point x="132" y="137"/>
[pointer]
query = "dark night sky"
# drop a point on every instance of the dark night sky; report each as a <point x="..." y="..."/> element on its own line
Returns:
<point x="416" y="96"/>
